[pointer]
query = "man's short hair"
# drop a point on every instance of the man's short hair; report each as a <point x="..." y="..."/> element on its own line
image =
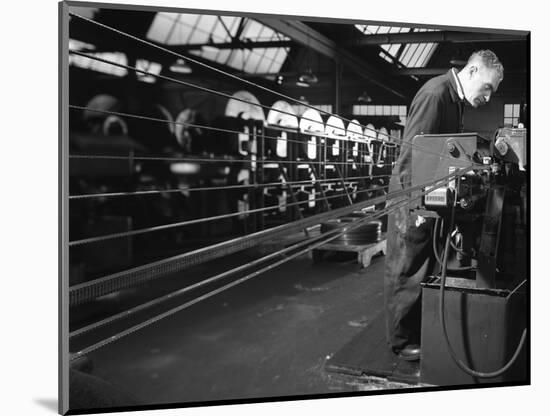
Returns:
<point x="489" y="59"/>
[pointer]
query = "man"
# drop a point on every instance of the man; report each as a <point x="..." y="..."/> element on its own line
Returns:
<point x="437" y="108"/>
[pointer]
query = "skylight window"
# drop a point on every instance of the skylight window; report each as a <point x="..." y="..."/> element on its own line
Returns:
<point x="87" y="12"/>
<point x="410" y="55"/>
<point x="380" y="30"/>
<point x="192" y="29"/>
<point x="87" y="63"/>
<point x="184" y="29"/>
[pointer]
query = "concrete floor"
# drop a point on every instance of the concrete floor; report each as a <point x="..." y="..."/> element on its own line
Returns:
<point x="268" y="337"/>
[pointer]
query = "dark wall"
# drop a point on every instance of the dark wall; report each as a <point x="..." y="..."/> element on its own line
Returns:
<point x="486" y="119"/>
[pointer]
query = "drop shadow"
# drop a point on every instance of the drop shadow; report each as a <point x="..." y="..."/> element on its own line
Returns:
<point x="50" y="404"/>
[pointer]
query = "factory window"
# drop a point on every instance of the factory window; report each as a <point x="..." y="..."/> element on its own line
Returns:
<point x="511" y="115"/>
<point x="205" y="31"/>
<point x="417" y="55"/>
<point x="87" y="63"/>
<point x="380" y="30"/>
<point x="379" y="110"/>
<point x="410" y="55"/>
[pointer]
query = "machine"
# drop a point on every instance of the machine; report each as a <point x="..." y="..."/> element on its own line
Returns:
<point x="474" y="309"/>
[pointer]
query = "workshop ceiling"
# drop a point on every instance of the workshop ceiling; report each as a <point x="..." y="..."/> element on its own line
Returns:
<point x="389" y="61"/>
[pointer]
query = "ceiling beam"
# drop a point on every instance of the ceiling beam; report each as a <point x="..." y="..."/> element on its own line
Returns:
<point x="435" y="37"/>
<point x="227" y="45"/>
<point x="438" y="71"/>
<point x="238" y="44"/>
<point x="303" y="34"/>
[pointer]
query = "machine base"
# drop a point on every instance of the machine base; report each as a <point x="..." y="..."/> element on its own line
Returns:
<point x="484" y="328"/>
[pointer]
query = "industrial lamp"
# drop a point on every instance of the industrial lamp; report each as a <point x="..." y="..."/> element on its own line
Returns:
<point x="181" y="67"/>
<point x="364" y="98"/>
<point x="307" y="78"/>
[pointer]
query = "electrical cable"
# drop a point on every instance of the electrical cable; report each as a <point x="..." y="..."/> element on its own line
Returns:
<point x="212" y="160"/>
<point x="436" y="251"/>
<point x="206" y="219"/>
<point x="89" y="290"/>
<point x="455" y="358"/>
<point x="294" y="184"/>
<point x="455" y="247"/>
<point x="189" y="84"/>
<point x="340" y="230"/>
<point x="321" y="135"/>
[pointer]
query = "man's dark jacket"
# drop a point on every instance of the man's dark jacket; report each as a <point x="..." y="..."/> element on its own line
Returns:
<point x="435" y="109"/>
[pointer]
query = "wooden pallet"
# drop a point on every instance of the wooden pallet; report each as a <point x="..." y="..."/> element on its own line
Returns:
<point x="364" y="252"/>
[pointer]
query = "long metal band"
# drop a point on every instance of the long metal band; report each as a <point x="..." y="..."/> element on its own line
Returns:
<point x="90" y="290"/>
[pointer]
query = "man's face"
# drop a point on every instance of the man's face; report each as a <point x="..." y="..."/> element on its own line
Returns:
<point x="481" y="83"/>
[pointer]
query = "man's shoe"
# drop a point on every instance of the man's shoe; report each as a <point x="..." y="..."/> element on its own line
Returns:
<point x="410" y="353"/>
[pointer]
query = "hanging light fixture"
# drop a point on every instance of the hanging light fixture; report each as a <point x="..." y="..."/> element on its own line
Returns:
<point x="181" y="67"/>
<point x="364" y="98"/>
<point x="308" y="77"/>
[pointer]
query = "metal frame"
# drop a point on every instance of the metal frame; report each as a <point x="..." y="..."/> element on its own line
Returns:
<point x="436" y="37"/>
<point x="63" y="143"/>
<point x="303" y="34"/>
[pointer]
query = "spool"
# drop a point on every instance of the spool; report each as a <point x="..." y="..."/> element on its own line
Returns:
<point x="382" y="153"/>
<point x="244" y="116"/>
<point x="367" y="154"/>
<point x="156" y="137"/>
<point x="289" y="126"/>
<point x="114" y="126"/>
<point x="378" y="147"/>
<point x="310" y="124"/>
<point x="190" y="139"/>
<point x="101" y="102"/>
<point x="244" y="105"/>
<point x="368" y="233"/>
<point x="100" y="123"/>
<point x="356" y="137"/>
<point x="167" y="116"/>
<point x="354" y="158"/>
<point x="336" y="133"/>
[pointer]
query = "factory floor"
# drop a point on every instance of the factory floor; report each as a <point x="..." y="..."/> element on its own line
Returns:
<point x="268" y="337"/>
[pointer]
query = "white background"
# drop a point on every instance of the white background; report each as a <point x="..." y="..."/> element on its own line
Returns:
<point x="28" y="163"/>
